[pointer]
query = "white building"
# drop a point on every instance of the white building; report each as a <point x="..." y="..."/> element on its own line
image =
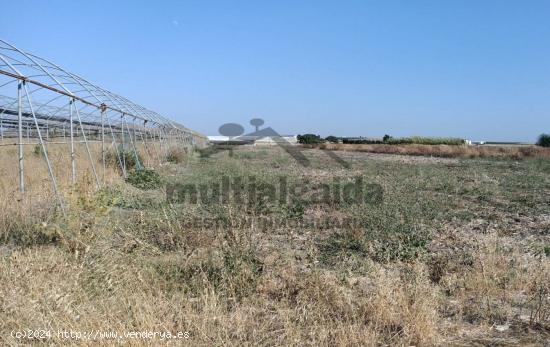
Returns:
<point x="254" y="140"/>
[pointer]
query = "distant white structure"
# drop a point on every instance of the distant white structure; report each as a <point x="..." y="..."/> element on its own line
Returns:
<point x="273" y="140"/>
<point x="254" y="140"/>
<point x="218" y="139"/>
<point x="474" y="143"/>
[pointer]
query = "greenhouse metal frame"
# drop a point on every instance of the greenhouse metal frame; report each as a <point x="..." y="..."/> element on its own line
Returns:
<point x="43" y="104"/>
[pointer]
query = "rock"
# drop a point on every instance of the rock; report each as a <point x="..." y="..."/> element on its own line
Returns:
<point x="502" y="328"/>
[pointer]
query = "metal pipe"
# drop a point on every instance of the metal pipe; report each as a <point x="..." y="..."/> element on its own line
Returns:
<point x="138" y="164"/>
<point x="20" y="133"/>
<point x="73" y="163"/>
<point x="50" y="170"/>
<point x="45" y="86"/>
<point x="116" y="149"/>
<point x="87" y="147"/>
<point x="150" y="157"/>
<point x="122" y="143"/>
<point x="103" y="141"/>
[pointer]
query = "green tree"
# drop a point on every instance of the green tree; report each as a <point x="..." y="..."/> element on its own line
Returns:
<point x="544" y="140"/>
<point x="309" y="139"/>
<point x="332" y="139"/>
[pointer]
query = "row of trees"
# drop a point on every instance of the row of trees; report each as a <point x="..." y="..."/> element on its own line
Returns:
<point x="311" y="139"/>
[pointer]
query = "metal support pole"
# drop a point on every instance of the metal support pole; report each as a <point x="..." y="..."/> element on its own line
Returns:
<point x="150" y="157"/>
<point x="122" y="143"/>
<point x="116" y="149"/>
<point x="103" y="108"/>
<point x="87" y="147"/>
<point x="159" y="135"/>
<point x="163" y="140"/>
<point x="71" y="132"/>
<point x="156" y="142"/>
<point x="20" y="133"/>
<point x="152" y="142"/>
<point x="50" y="170"/>
<point x="132" y="143"/>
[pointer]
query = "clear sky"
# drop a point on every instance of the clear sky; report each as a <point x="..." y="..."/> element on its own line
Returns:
<point x="478" y="69"/>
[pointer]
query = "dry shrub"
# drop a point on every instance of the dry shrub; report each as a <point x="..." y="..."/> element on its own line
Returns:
<point x="404" y="305"/>
<point x="391" y="306"/>
<point x="176" y="155"/>
<point x="502" y="283"/>
<point x="24" y="223"/>
<point x="515" y="152"/>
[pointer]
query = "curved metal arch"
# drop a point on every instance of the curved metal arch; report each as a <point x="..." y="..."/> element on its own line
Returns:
<point x="55" y="81"/>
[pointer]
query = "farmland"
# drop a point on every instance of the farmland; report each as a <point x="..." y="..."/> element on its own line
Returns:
<point x="447" y="250"/>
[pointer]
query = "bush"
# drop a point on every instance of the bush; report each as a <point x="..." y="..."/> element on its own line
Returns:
<point x="38" y="151"/>
<point x="206" y="152"/>
<point x="144" y="179"/>
<point x="127" y="155"/>
<point x="175" y="155"/>
<point x="332" y="139"/>
<point x="309" y="139"/>
<point x="420" y="140"/>
<point x="416" y="140"/>
<point x="544" y="140"/>
<point x="361" y="141"/>
<point x="399" y="242"/>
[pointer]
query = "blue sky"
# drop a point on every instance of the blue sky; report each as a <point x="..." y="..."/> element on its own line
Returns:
<point x="474" y="69"/>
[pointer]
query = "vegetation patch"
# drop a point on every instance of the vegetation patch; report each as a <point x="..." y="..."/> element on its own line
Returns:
<point x="127" y="158"/>
<point x="176" y="155"/>
<point x="309" y="139"/>
<point x="144" y="179"/>
<point x="544" y="140"/>
<point x="458" y="244"/>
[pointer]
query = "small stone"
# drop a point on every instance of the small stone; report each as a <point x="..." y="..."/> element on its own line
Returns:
<point x="525" y="317"/>
<point x="502" y="328"/>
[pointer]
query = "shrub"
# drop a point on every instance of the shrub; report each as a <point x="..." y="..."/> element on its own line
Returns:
<point x="309" y="139"/>
<point x="544" y="140"/>
<point x="332" y="139"/>
<point x="205" y="152"/>
<point x="38" y="151"/>
<point x="144" y="179"/>
<point x="420" y="140"/>
<point x="26" y="230"/>
<point x="361" y="141"/>
<point x="416" y="140"/>
<point x="233" y="271"/>
<point x="399" y="242"/>
<point x="128" y="157"/>
<point x="175" y="155"/>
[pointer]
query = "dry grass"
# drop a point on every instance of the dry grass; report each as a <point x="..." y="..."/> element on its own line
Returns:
<point x="125" y="260"/>
<point x="450" y="151"/>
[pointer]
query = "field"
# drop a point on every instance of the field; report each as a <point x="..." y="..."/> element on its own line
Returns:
<point x="251" y="248"/>
<point x="445" y="151"/>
